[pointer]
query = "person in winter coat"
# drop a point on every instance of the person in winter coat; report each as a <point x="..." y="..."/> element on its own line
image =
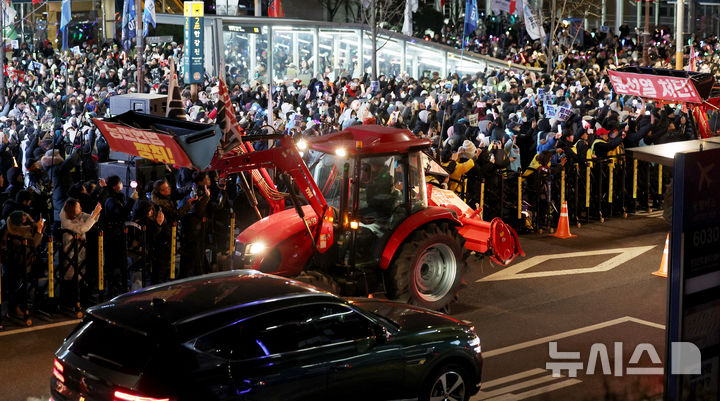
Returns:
<point x="193" y="243"/>
<point x="74" y="222"/>
<point x="145" y="215"/>
<point x="58" y="170"/>
<point x="18" y="276"/>
<point x="464" y="161"/>
<point x="117" y="212"/>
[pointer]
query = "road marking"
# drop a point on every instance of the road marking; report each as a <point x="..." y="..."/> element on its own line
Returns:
<point x="655" y="214"/>
<point x="511" y="378"/>
<point x="570" y="333"/>
<point x="505" y="393"/>
<point x="43" y="327"/>
<point x="537" y="391"/>
<point x="514" y="272"/>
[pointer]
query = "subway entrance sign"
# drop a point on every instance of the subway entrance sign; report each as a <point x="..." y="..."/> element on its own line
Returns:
<point x="694" y="287"/>
<point x="194" y="40"/>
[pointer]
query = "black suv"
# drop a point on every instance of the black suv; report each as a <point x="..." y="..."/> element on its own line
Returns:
<point x="245" y="335"/>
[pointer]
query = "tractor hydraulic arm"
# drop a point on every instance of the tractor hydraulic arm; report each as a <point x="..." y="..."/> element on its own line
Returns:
<point x="285" y="158"/>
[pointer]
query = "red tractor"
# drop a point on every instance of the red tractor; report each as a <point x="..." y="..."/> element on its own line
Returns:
<point x="363" y="218"/>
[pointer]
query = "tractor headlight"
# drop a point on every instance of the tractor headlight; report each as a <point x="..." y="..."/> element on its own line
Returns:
<point x="256" y="248"/>
<point x="341" y="152"/>
<point x="301" y="144"/>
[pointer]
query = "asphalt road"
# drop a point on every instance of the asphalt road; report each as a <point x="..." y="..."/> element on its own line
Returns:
<point x="596" y="289"/>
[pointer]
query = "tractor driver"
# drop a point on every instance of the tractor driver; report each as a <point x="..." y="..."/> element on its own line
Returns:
<point x="381" y="193"/>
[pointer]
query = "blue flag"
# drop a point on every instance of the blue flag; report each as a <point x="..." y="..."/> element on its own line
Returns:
<point x="128" y="24"/>
<point x="471" y="17"/>
<point x="148" y="16"/>
<point x="65" y="18"/>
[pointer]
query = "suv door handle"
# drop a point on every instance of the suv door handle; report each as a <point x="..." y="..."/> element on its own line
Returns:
<point x="415" y="353"/>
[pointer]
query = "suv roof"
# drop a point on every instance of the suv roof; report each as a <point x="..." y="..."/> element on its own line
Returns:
<point x="177" y="302"/>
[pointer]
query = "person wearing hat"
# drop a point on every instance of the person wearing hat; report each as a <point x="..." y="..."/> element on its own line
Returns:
<point x="461" y="163"/>
<point x="603" y="145"/>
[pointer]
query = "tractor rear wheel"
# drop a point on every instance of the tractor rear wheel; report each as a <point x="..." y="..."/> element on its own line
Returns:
<point x="429" y="268"/>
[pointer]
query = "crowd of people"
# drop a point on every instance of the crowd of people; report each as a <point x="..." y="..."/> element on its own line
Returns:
<point x="480" y="125"/>
<point x="504" y="37"/>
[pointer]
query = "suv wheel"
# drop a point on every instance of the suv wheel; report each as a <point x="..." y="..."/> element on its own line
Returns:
<point x="449" y="383"/>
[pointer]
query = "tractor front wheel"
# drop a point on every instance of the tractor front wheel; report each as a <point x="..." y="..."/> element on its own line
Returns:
<point x="429" y="268"/>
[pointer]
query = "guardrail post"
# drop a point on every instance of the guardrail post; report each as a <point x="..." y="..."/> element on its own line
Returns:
<point x="587" y="187"/>
<point x="576" y="190"/>
<point x="562" y="187"/>
<point x="519" y="199"/>
<point x="482" y="198"/>
<point x="611" y="168"/>
<point x="647" y="189"/>
<point x="101" y="267"/>
<point x="173" y="244"/>
<point x="635" y="173"/>
<point x="51" y="269"/>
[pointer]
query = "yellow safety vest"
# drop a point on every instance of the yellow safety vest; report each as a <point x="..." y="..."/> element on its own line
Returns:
<point x="534" y="166"/>
<point x="591" y="152"/>
<point x="613" y="154"/>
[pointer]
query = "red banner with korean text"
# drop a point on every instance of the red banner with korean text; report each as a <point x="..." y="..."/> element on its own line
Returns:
<point x="142" y="143"/>
<point x="665" y="88"/>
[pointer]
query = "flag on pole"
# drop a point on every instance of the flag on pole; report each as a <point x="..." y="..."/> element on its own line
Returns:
<point x="532" y="26"/>
<point x="226" y="118"/>
<point x="275" y="9"/>
<point x="128" y="24"/>
<point x="471" y="17"/>
<point x="175" y="108"/>
<point x="411" y="6"/>
<point x="148" y="16"/>
<point x="65" y="18"/>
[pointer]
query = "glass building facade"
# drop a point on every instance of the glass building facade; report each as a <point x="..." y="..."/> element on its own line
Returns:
<point x="264" y="49"/>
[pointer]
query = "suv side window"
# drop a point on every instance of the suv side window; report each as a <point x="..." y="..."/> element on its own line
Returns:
<point x="287" y="330"/>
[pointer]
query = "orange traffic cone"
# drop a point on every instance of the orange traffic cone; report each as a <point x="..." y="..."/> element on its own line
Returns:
<point x="663" y="270"/>
<point x="563" y="228"/>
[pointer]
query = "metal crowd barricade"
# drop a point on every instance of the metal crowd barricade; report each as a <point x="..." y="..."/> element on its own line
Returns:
<point x="18" y="266"/>
<point x="136" y="248"/>
<point x="70" y="258"/>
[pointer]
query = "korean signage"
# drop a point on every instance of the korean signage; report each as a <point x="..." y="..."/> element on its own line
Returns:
<point x="193" y="58"/>
<point x="551" y="111"/>
<point x="244" y="28"/>
<point x="159" y="39"/>
<point x="564" y="113"/>
<point x="694" y="274"/>
<point x="655" y="87"/>
<point x="146" y="144"/>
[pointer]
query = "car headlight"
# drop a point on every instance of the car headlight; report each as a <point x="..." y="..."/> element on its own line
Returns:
<point x="256" y="248"/>
<point x="475" y="345"/>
